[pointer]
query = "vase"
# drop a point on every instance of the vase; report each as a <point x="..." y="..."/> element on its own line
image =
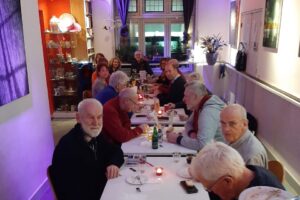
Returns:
<point x="211" y="58"/>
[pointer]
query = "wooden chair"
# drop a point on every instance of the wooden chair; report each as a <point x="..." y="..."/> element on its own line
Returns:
<point x="277" y="169"/>
<point x="49" y="175"/>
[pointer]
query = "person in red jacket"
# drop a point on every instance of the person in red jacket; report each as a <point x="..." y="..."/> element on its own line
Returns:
<point x="116" y="122"/>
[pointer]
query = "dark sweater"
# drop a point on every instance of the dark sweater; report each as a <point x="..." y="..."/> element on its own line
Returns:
<point x="77" y="171"/>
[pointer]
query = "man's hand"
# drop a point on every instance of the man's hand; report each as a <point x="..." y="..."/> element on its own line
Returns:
<point x="144" y="127"/>
<point x="112" y="171"/>
<point x="172" y="137"/>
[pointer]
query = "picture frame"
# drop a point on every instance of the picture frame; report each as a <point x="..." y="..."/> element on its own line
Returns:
<point x="272" y="21"/>
<point x="14" y="79"/>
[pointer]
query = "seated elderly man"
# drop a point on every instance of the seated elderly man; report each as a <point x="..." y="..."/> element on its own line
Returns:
<point x="176" y="87"/>
<point x="235" y="130"/>
<point x="139" y="63"/>
<point x="203" y="125"/>
<point x="222" y="171"/>
<point x="117" y="125"/>
<point x="117" y="81"/>
<point x="83" y="160"/>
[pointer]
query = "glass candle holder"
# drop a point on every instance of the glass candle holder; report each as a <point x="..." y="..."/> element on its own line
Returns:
<point x="158" y="171"/>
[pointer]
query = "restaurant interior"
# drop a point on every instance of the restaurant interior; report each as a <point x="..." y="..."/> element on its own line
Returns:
<point x="267" y="85"/>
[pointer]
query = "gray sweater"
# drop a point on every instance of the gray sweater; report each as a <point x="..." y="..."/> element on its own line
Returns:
<point x="251" y="149"/>
<point x="208" y="125"/>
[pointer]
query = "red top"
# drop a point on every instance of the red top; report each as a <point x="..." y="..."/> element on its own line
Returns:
<point x="116" y="123"/>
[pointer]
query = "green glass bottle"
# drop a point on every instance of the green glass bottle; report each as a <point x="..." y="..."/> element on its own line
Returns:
<point x="155" y="138"/>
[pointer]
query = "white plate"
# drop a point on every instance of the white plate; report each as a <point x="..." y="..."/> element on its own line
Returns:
<point x="134" y="181"/>
<point x="184" y="173"/>
<point x="264" y="193"/>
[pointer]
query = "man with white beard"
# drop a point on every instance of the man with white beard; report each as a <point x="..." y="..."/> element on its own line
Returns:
<point x="83" y="160"/>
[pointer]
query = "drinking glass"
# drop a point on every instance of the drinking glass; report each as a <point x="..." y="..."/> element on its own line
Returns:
<point x="141" y="163"/>
<point x="176" y="156"/>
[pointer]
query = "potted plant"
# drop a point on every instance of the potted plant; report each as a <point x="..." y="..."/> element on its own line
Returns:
<point x="211" y="45"/>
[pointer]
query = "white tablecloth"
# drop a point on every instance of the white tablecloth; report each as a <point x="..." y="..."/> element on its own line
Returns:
<point x="157" y="187"/>
<point x="142" y="146"/>
<point x="136" y="120"/>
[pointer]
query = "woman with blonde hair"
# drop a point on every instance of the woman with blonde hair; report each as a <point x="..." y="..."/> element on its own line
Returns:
<point x="114" y="65"/>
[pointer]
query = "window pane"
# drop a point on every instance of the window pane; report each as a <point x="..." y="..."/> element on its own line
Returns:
<point x="128" y="45"/>
<point x="154" y="41"/>
<point x="132" y="6"/>
<point x="177" y="5"/>
<point x="154" y="5"/>
<point x="177" y="49"/>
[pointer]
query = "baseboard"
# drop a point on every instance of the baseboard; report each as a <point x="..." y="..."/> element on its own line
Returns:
<point x="290" y="182"/>
<point x="40" y="191"/>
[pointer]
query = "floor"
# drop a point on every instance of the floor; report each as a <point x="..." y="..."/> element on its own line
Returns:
<point x="61" y="127"/>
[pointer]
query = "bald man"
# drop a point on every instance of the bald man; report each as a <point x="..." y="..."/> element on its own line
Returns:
<point x="235" y="130"/>
<point x="83" y="160"/>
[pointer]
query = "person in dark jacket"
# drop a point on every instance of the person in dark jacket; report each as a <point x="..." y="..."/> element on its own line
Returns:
<point x="139" y="63"/>
<point x="83" y="160"/>
<point x="176" y="88"/>
<point x="222" y="171"/>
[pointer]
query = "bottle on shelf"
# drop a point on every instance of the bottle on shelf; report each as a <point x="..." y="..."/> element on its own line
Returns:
<point x="155" y="138"/>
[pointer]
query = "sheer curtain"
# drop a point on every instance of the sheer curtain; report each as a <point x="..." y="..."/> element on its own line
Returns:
<point x="122" y="6"/>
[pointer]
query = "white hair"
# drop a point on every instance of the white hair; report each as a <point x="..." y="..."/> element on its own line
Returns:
<point x="89" y="101"/>
<point x="196" y="87"/>
<point x="118" y="77"/>
<point x="237" y="108"/>
<point x="128" y="93"/>
<point x="216" y="160"/>
<point x="195" y="76"/>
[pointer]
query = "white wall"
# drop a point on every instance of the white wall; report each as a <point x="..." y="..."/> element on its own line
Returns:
<point x="103" y="16"/>
<point x="212" y="18"/>
<point x="26" y="140"/>
<point x="277" y="115"/>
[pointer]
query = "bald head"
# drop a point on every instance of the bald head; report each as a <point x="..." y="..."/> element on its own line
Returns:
<point x="234" y="122"/>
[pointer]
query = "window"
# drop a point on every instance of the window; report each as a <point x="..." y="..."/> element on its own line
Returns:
<point x="154" y="41"/>
<point x="132" y="6"/>
<point x="177" y="6"/>
<point x="177" y="49"/>
<point x="154" y="5"/>
<point x="156" y="28"/>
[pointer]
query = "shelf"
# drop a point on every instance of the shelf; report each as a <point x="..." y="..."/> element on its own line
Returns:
<point x="60" y="33"/>
<point x="64" y="114"/>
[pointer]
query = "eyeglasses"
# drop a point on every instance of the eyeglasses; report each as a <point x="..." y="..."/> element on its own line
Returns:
<point x="209" y="189"/>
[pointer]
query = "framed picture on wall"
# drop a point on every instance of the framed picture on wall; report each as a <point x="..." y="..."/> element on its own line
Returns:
<point x="272" y="23"/>
<point x="13" y="67"/>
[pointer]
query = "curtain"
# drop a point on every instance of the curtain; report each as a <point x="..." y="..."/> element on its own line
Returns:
<point x="188" y="6"/>
<point x="123" y="11"/>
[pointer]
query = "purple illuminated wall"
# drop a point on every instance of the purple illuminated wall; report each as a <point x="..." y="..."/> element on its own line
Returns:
<point x="13" y="72"/>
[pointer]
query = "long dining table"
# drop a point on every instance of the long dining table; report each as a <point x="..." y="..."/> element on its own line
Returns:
<point x="152" y="186"/>
<point x="141" y="145"/>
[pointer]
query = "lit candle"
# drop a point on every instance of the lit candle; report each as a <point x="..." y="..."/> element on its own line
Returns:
<point x="159" y="171"/>
<point x="159" y="112"/>
<point x="140" y="97"/>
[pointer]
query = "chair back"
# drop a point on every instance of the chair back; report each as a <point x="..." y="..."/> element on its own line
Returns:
<point x="49" y="175"/>
<point x="277" y="169"/>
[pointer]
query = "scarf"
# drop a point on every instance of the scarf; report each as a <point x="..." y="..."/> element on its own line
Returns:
<point x="197" y="111"/>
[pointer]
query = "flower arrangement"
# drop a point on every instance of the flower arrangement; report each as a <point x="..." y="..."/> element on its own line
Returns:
<point x="211" y="44"/>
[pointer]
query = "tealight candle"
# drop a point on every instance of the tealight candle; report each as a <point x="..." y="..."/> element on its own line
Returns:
<point x="159" y="171"/>
<point x="159" y="112"/>
<point x="140" y="97"/>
